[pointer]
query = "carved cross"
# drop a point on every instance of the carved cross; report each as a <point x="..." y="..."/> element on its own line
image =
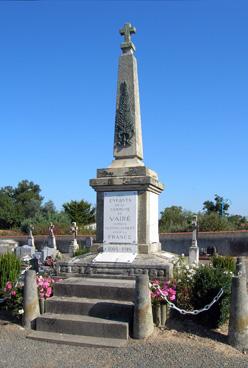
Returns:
<point x="126" y="31"/>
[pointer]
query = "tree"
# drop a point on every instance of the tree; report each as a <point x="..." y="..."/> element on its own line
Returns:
<point x="17" y="204"/>
<point x="81" y="212"/>
<point x="8" y="213"/>
<point x="212" y="221"/>
<point x="175" y="219"/>
<point x="48" y="208"/>
<point x="220" y="206"/>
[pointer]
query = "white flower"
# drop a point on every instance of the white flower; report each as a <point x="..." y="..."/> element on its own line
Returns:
<point x="20" y="311"/>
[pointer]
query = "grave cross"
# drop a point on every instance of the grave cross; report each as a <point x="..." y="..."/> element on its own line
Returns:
<point x="126" y="31"/>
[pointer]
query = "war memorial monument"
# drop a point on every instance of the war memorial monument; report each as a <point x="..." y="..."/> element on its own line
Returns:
<point x="127" y="238"/>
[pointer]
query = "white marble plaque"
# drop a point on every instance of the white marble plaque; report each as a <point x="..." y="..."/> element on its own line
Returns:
<point x="106" y="257"/>
<point x="120" y="218"/>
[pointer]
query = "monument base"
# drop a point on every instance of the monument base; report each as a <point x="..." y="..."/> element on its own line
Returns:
<point x="141" y="248"/>
<point x="157" y="265"/>
<point x="193" y="255"/>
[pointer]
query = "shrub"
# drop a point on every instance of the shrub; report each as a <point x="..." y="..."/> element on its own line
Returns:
<point x="224" y="262"/>
<point x="183" y="275"/>
<point x="13" y="299"/>
<point x="10" y="267"/>
<point x="207" y="283"/>
<point x="196" y="286"/>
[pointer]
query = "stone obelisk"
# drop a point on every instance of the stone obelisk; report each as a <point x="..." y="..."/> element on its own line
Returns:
<point x="128" y="147"/>
<point x="127" y="191"/>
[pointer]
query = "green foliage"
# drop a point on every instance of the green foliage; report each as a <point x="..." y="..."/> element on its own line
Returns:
<point x="197" y="286"/>
<point x="214" y="218"/>
<point x="8" y="212"/>
<point x="183" y="276"/>
<point x="42" y="221"/>
<point x="175" y="219"/>
<point x="226" y="263"/>
<point x="10" y="267"/>
<point x="19" y="203"/>
<point x="14" y="300"/>
<point x="207" y="283"/>
<point x="238" y="222"/>
<point x="213" y="222"/>
<point x="81" y="251"/>
<point x="81" y="212"/>
<point x="219" y="205"/>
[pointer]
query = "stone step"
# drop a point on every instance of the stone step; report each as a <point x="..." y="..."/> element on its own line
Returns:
<point x="103" y="308"/>
<point x="82" y="325"/>
<point x="77" y="340"/>
<point x="113" y="289"/>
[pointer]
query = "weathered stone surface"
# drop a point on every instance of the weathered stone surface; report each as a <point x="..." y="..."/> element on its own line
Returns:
<point x="130" y="150"/>
<point x="143" y="319"/>
<point x="7" y="245"/>
<point x="238" y="322"/>
<point x="127" y="172"/>
<point x="155" y="264"/>
<point x="31" y="302"/>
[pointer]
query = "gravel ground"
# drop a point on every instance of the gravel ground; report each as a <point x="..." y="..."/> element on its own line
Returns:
<point x="168" y="348"/>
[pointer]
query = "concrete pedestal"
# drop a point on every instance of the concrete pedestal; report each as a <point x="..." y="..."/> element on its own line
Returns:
<point x="142" y="181"/>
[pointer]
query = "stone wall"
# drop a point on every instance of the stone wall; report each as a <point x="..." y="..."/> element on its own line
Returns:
<point x="62" y="241"/>
<point x="232" y="243"/>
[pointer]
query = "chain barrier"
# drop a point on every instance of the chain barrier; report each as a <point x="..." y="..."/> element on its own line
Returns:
<point x="183" y="311"/>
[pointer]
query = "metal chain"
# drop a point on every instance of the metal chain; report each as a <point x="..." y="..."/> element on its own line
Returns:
<point x="183" y="311"/>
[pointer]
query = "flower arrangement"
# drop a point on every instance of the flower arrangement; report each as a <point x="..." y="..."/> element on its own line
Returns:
<point x="168" y="288"/>
<point x="13" y="298"/>
<point x="45" y="286"/>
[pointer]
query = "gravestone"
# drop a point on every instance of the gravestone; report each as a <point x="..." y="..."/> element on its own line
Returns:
<point x="74" y="244"/>
<point x="30" y="236"/>
<point x="51" y="241"/>
<point x="89" y="241"/>
<point x="194" y="249"/>
<point x="48" y="252"/>
<point x="127" y="191"/>
<point x="25" y="251"/>
<point x="7" y="245"/>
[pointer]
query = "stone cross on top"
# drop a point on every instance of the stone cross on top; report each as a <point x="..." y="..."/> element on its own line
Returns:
<point x="126" y="31"/>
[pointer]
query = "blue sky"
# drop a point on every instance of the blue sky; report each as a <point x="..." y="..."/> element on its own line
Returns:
<point x="58" y="74"/>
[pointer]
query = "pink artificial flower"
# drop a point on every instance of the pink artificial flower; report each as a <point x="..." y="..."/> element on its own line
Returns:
<point x="172" y="297"/>
<point x="46" y="284"/>
<point x="48" y="292"/>
<point x="8" y="286"/>
<point x="13" y="293"/>
<point x="155" y="282"/>
<point x="172" y="291"/>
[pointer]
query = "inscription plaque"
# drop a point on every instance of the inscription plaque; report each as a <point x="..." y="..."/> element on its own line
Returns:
<point x="120" y="221"/>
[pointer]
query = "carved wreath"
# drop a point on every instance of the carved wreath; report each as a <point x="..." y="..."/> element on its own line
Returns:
<point x="124" y="124"/>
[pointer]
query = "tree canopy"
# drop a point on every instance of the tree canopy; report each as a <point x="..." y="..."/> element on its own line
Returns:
<point x="82" y="212"/>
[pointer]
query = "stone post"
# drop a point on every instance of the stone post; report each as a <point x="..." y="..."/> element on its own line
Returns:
<point x="238" y="322"/>
<point x="143" y="320"/>
<point x="194" y="250"/>
<point x="31" y="301"/>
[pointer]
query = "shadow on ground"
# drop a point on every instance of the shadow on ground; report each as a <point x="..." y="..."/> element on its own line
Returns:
<point x="190" y="327"/>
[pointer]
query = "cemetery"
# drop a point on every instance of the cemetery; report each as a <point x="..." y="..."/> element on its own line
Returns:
<point x="127" y="282"/>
